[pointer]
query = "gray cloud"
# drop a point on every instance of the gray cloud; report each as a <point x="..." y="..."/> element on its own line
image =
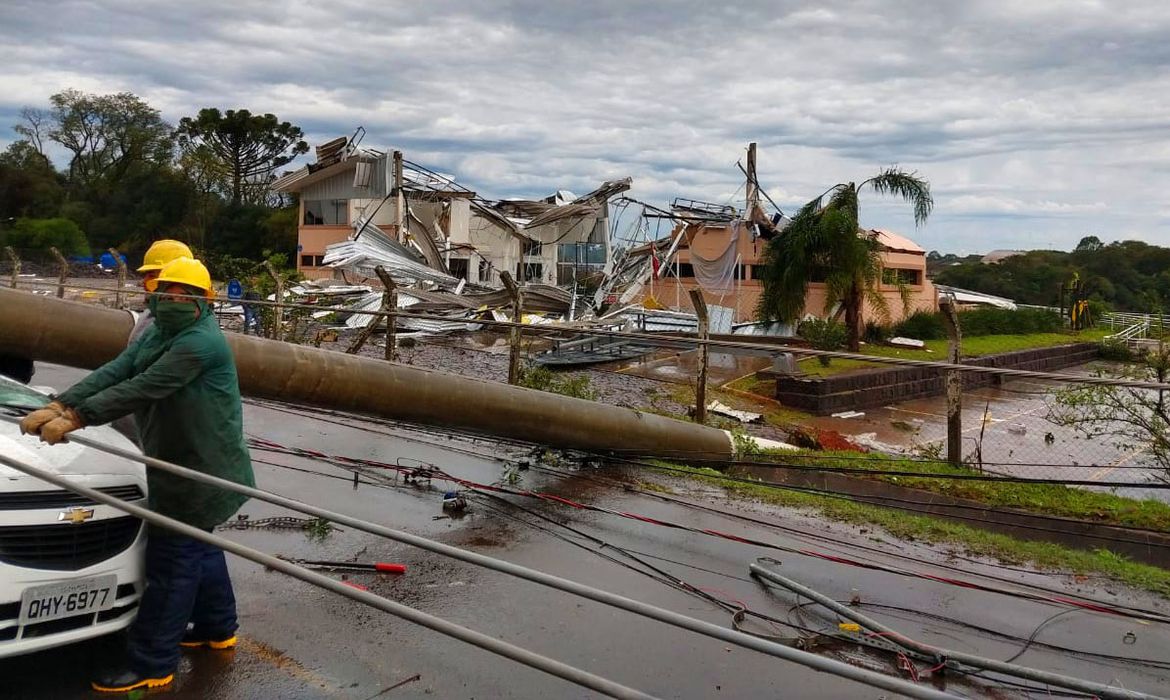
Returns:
<point x="1037" y="122"/>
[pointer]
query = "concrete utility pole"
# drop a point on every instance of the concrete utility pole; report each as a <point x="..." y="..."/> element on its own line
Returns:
<point x="278" y="310"/>
<point x="399" y="199"/>
<point x="15" y="264"/>
<point x="62" y="273"/>
<point x="514" y="335"/>
<point x="704" y="355"/>
<point x="946" y="305"/>
<point x="87" y="336"/>
<point x="121" y="277"/>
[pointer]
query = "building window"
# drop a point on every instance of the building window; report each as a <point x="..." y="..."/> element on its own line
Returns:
<point x="458" y="267"/>
<point x="685" y="270"/>
<point x="758" y="272"/>
<point x="531" y="272"/>
<point x="532" y="248"/>
<point x="485" y="271"/>
<point x="312" y="260"/>
<point x="326" y="212"/>
<point x="897" y="275"/>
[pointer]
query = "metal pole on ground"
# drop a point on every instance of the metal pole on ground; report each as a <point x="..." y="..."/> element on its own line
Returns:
<point x="704" y="355"/>
<point x="62" y="272"/>
<point x="946" y="655"/>
<point x="390" y="306"/>
<point x="278" y="310"/>
<point x="514" y="334"/>
<point x="954" y="381"/>
<point x="15" y="264"/>
<point x="519" y="654"/>
<point x="121" y="277"/>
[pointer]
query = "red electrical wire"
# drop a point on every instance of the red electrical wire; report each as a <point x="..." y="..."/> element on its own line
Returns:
<point x="437" y="473"/>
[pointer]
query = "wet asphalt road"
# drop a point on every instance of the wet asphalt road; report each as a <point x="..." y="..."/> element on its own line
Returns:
<point x="301" y="642"/>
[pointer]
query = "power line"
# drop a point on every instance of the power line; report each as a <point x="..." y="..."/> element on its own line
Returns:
<point x="637" y="607"/>
<point x="713" y="342"/>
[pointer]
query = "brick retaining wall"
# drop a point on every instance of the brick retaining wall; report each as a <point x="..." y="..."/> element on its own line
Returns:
<point x="882" y="387"/>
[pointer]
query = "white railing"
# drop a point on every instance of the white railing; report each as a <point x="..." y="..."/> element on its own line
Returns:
<point x="1125" y="320"/>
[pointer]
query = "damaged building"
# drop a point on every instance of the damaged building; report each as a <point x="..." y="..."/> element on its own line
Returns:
<point x="435" y="230"/>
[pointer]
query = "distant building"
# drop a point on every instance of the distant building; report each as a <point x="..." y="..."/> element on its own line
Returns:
<point x="724" y="261"/>
<point x="997" y="256"/>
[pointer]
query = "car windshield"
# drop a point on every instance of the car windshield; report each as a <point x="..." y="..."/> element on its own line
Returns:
<point x="16" y="394"/>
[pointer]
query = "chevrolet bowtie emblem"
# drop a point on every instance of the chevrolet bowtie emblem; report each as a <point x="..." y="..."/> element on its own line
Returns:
<point x="75" y="515"/>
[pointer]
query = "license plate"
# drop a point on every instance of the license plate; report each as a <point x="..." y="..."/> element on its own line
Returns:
<point x="78" y="597"/>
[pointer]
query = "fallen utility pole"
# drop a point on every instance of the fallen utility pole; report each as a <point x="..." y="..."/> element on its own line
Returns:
<point x="947" y="656"/>
<point x="804" y="658"/>
<point x="438" y="624"/>
<point x="81" y="335"/>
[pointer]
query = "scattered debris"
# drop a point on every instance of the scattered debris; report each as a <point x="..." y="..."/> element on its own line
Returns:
<point x="849" y="414"/>
<point x="1018" y="429"/>
<point x="741" y="416"/>
<point x="907" y="343"/>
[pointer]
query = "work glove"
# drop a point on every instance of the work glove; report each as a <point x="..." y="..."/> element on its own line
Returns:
<point x="55" y="430"/>
<point x="32" y="423"/>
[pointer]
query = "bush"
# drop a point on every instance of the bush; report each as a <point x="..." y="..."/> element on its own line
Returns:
<point x="42" y="234"/>
<point x="1116" y="351"/>
<point x="992" y="321"/>
<point x="922" y="325"/>
<point x="823" y="334"/>
<point x="544" y="379"/>
<point x="875" y="333"/>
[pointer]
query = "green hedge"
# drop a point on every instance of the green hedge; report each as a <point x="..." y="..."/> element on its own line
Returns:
<point x="989" y="321"/>
<point x="42" y="234"/>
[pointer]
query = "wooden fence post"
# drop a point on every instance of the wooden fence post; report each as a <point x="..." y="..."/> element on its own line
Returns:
<point x="15" y="264"/>
<point x="515" y="335"/>
<point x="63" y="272"/>
<point x="121" y="277"/>
<point x="954" y="382"/>
<point x="390" y="306"/>
<point x="704" y="354"/>
<point x="278" y="310"/>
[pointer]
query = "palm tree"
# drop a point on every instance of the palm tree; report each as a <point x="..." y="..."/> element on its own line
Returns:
<point x="824" y="243"/>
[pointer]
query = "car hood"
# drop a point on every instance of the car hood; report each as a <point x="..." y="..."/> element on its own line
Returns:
<point x="67" y="458"/>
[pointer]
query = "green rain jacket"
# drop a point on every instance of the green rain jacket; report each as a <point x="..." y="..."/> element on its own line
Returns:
<point x="185" y="397"/>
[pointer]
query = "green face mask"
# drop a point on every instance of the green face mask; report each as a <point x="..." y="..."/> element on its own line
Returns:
<point x="174" y="316"/>
<point x="152" y="303"/>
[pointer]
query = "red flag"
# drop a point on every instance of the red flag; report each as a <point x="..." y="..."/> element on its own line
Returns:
<point x="654" y="262"/>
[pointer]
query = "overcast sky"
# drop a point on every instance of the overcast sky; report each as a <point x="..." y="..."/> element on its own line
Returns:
<point x="1036" y="121"/>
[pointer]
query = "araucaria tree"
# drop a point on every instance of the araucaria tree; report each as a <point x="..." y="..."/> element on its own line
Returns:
<point x="824" y="243"/>
<point x="249" y="147"/>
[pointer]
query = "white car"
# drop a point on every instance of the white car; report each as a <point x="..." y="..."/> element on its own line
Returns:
<point x="70" y="569"/>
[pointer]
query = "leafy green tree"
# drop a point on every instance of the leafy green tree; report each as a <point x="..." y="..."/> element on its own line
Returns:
<point x="1089" y="244"/>
<point x="824" y="242"/>
<point x="42" y="234"/>
<point x="29" y="184"/>
<point x="107" y="135"/>
<point x="248" y="147"/>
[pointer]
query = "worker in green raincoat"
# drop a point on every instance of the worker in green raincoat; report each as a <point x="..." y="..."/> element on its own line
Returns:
<point x="179" y="381"/>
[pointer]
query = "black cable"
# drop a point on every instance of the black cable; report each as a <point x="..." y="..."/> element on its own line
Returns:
<point x="1134" y="610"/>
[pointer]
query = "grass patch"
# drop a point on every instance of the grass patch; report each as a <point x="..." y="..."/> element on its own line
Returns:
<point x="909" y="526"/>
<point x="1050" y="499"/>
<point x="936" y="350"/>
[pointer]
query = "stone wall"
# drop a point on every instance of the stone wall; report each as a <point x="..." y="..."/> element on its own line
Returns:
<point x="882" y="387"/>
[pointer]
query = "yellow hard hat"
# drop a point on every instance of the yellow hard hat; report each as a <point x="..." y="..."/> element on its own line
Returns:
<point x="162" y="252"/>
<point x="186" y="271"/>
